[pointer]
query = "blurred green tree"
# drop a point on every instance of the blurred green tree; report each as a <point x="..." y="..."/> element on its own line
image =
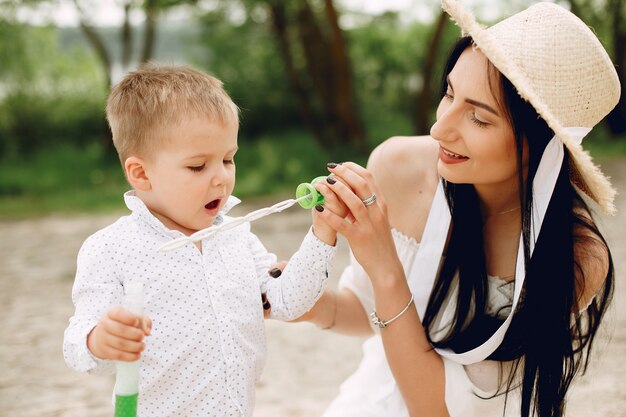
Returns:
<point x="150" y="9"/>
<point x="315" y="61"/>
<point x="608" y="19"/>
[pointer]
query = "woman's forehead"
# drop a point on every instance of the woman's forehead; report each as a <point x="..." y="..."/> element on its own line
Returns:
<point x="472" y="77"/>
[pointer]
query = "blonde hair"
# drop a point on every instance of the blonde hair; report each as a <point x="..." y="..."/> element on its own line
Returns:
<point x="149" y="100"/>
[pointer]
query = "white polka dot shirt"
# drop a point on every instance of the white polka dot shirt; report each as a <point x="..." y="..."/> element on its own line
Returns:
<point x="207" y="346"/>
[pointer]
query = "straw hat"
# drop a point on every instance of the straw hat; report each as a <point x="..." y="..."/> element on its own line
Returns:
<point x="558" y="65"/>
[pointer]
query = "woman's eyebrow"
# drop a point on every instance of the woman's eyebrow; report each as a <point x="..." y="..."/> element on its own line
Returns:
<point x="475" y="102"/>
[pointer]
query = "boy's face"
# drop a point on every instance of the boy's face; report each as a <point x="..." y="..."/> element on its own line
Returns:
<point x="192" y="174"/>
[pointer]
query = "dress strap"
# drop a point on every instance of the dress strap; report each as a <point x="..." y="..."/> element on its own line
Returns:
<point x="423" y="271"/>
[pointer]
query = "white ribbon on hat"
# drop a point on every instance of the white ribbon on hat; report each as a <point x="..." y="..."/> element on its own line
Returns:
<point x="423" y="271"/>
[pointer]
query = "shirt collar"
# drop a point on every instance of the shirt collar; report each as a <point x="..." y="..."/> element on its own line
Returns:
<point x="139" y="209"/>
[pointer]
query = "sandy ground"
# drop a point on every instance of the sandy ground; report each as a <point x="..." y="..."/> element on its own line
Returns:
<point x="305" y="366"/>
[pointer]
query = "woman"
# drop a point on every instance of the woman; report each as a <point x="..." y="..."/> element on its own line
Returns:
<point x="494" y="311"/>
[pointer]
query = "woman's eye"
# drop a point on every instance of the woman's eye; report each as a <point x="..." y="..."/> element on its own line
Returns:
<point x="478" y="122"/>
<point x="196" y="168"/>
<point x="229" y="161"/>
<point x="448" y="96"/>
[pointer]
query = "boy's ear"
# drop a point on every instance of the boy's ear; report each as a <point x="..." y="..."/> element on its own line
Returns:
<point x="134" y="168"/>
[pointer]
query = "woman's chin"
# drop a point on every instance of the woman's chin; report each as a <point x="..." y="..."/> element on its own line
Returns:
<point x="445" y="172"/>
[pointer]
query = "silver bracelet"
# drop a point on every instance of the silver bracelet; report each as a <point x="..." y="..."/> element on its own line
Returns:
<point x="376" y="321"/>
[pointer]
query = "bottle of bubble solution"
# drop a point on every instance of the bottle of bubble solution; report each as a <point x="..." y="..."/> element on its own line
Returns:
<point x="127" y="374"/>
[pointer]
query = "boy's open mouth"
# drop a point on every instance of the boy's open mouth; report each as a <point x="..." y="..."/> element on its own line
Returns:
<point x="213" y="204"/>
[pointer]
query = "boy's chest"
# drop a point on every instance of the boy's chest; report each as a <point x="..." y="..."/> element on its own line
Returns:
<point x="201" y="282"/>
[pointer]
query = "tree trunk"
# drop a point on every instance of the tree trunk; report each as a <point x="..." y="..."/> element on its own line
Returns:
<point x="126" y="37"/>
<point x="99" y="47"/>
<point x="97" y="44"/>
<point x="314" y="48"/>
<point x="279" y="27"/>
<point x="349" y="124"/>
<point x="421" y="113"/>
<point x="149" y="35"/>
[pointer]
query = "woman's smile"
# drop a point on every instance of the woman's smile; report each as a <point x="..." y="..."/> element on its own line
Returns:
<point x="449" y="157"/>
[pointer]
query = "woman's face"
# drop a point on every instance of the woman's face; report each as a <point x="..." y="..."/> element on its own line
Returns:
<point x="477" y="143"/>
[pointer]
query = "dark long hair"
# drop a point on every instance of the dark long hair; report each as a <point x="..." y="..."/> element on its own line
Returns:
<point x="548" y="340"/>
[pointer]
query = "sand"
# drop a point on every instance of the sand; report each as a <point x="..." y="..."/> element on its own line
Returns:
<point x="305" y="365"/>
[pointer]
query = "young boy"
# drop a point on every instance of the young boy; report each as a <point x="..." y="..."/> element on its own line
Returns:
<point x="175" y="130"/>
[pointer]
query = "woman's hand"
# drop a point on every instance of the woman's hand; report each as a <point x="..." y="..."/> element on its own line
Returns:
<point x="366" y="227"/>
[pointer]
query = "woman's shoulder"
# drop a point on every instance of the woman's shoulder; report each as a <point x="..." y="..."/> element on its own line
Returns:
<point x="408" y="158"/>
<point x="405" y="172"/>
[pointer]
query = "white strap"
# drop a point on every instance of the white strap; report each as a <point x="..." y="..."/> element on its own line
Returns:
<point x="425" y="266"/>
<point x="424" y="269"/>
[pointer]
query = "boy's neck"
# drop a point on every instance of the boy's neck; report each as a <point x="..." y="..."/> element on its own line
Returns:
<point x="165" y="220"/>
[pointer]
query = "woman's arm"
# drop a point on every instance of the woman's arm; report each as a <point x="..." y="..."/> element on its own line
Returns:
<point x="339" y="311"/>
<point x="403" y="175"/>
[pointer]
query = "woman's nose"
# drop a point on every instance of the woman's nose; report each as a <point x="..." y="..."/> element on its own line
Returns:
<point x="446" y="128"/>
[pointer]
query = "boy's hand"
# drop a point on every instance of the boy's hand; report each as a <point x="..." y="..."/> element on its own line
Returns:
<point x="119" y="335"/>
<point x="331" y="202"/>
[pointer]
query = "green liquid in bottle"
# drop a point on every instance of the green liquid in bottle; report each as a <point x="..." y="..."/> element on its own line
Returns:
<point x="126" y="405"/>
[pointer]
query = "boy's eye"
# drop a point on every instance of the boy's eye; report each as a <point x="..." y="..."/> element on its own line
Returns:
<point x="197" y="168"/>
<point x="229" y="161"/>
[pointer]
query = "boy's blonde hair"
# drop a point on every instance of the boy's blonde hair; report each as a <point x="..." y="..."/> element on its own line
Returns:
<point x="151" y="99"/>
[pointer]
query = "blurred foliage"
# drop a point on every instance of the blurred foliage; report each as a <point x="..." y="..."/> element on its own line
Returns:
<point x="55" y="155"/>
<point x="50" y="97"/>
<point x="64" y="179"/>
<point x="69" y="179"/>
<point x="244" y="56"/>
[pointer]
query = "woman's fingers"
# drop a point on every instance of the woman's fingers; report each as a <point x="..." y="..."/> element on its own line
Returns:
<point x="277" y="269"/>
<point x="355" y="177"/>
<point x="274" y="271"/>
<point x="266" y="305"/>
<point x="360" y="212"/>
<point x="331" y="201"/>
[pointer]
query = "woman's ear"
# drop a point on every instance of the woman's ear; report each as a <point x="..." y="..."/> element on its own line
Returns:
<point x="135" y="171"/>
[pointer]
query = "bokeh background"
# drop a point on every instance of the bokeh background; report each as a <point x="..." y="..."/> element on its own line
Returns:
<point x="317" y="81"/>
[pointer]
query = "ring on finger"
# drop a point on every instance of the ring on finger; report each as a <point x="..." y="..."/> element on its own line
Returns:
<point x="369" y="200"/>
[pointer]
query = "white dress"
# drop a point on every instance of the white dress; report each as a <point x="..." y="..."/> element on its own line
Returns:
<point x="372" y="391"/>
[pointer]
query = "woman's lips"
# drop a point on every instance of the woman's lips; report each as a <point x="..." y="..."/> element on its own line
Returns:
<point x="450" y="157"/>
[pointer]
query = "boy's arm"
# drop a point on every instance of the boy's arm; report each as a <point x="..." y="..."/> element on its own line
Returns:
<point x="302" y="281"/>
<point x="96" y="289"/>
